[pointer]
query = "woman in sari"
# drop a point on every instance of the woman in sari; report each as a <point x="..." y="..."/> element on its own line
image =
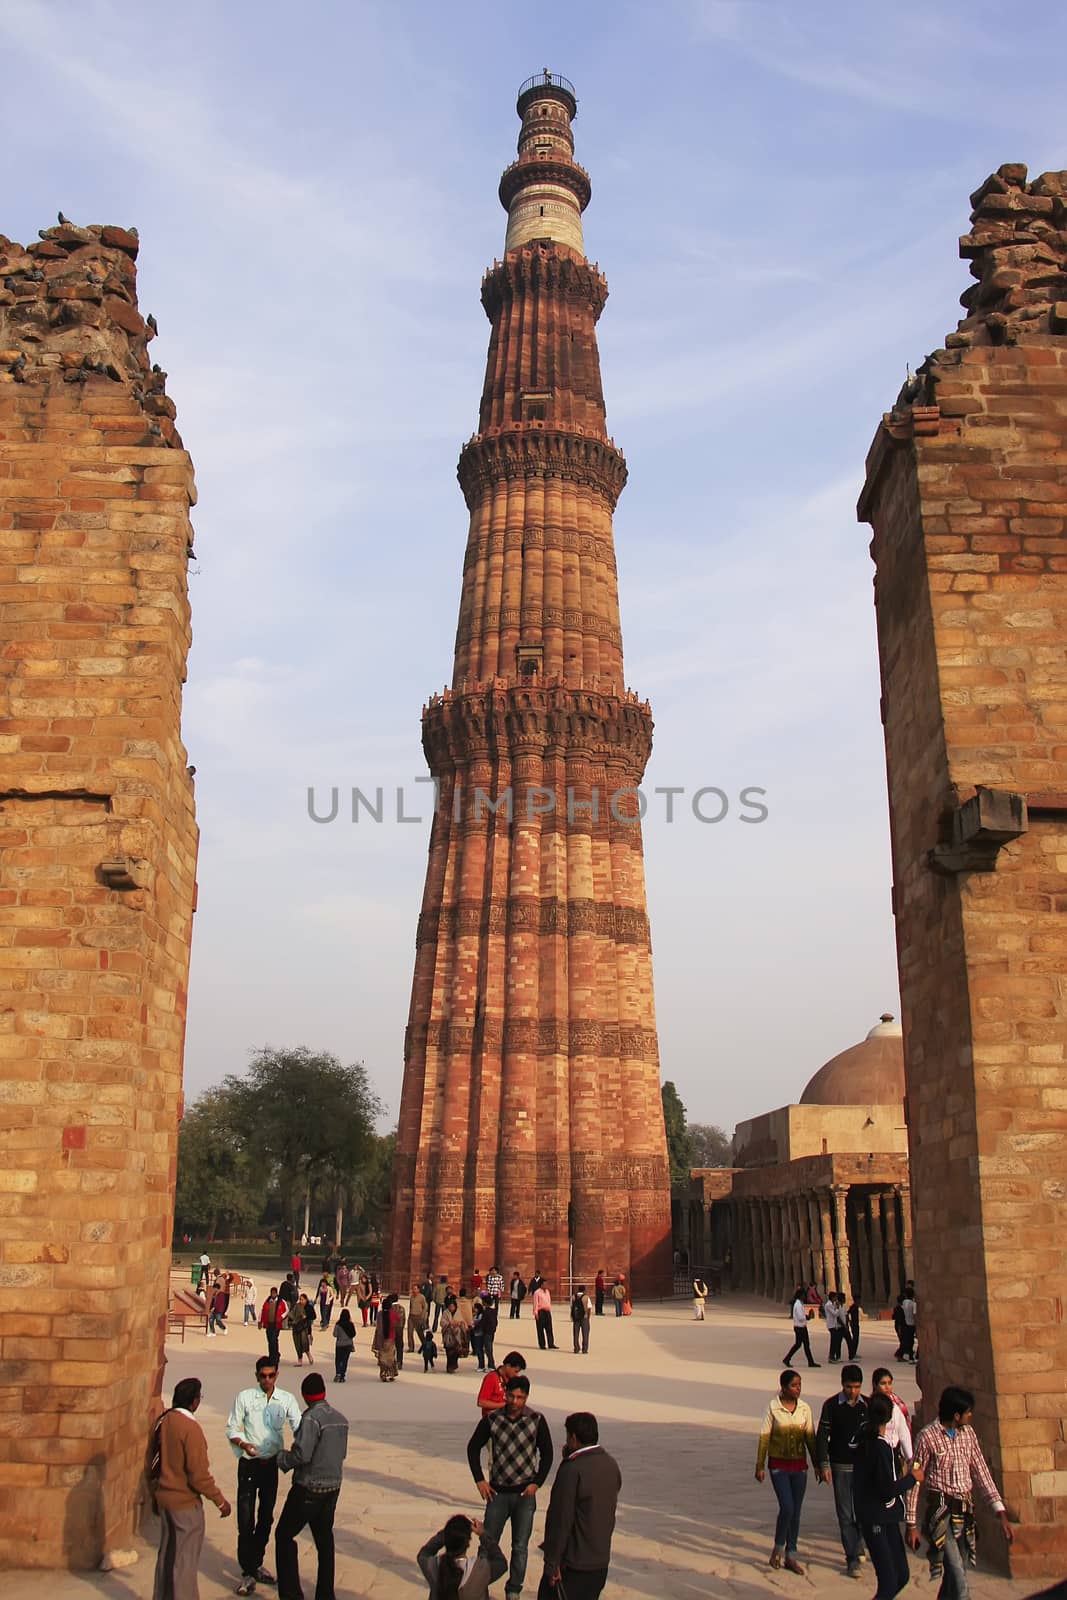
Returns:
<point x="301" y="1321"/>
<point x="454" y="1335"/>
<point x="384" y="1342"/>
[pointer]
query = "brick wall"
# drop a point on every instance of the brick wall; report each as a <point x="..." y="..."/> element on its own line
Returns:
<point x="967" y="494"/>
<point x="97" y="862"/>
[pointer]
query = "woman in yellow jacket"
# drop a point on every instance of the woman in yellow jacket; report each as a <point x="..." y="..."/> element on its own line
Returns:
<point x="786" y="1439"/>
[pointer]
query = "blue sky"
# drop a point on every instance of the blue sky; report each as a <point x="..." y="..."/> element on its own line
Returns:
<point x="777" y="195"/>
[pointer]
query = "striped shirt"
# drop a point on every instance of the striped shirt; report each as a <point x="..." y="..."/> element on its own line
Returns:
<point x="953" y="1465"/>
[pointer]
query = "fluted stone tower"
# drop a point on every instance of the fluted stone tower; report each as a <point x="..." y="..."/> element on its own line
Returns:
<point x="531" y="1128"/>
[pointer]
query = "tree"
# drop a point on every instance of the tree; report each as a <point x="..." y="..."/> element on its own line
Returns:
<point x="217" y="1182"/>
<point x="372" y="1194"/>
<point x="711" y="1146"/>
<point x="312" y="1119"/>
<point x="679" y="1144"/>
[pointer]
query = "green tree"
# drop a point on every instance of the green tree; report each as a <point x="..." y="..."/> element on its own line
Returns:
<point x="311" y="1120"/>
<point x="679" y="1144"/>
<point x="371" y="1193"/>
<point x="710" y="1144"/>
<point x="218" y="1186"/>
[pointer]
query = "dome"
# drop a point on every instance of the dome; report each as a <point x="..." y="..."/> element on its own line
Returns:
<point x="870" y="1073"/>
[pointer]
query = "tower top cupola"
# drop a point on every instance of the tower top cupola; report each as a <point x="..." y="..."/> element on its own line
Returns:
<point x="545" y="191"/>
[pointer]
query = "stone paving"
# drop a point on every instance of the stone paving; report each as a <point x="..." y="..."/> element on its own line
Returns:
<point x="678" y="1403"/>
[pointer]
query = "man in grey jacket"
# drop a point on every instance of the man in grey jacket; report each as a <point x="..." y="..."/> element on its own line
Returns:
<point x="316" y="1459"/>
<point x="581" y="1515"/>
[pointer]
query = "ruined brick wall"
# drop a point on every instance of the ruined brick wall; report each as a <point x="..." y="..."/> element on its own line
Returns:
<point x="967" y="494"/>
<point x="97" y="860"/>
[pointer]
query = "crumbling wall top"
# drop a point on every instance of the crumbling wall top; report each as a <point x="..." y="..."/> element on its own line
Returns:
<point x="68" y="311"/>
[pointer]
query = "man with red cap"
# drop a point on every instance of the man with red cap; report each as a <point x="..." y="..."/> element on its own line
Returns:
<point x="316" y="1459"/>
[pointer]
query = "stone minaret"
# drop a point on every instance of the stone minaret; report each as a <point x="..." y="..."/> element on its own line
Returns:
<point x="530" y="1119"/>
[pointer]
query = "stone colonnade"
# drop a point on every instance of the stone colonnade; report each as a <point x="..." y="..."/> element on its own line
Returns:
<point x="846" y="1236"/>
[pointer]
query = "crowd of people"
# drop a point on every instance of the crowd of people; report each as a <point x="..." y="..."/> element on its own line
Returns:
<point x="862" y="1448"/>
<point x="886" y="1485"/>
<point x="509" y="1453"/>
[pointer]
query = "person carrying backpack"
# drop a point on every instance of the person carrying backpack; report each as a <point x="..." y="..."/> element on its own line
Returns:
<point x="581" y="1311"/>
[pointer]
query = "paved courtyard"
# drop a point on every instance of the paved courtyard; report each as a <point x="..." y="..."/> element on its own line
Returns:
<point x="678" y="1404"/>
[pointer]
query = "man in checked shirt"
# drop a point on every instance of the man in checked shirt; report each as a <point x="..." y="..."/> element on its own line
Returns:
<point x="951" y="1458"/>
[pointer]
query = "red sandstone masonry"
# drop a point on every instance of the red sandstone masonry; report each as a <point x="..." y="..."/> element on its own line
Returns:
<point x="531" y="1106"/>
<point x="967" y="493"/>
<point x="97" y="862"/>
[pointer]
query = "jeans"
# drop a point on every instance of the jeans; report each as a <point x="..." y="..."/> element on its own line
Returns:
<point x="889" y="1558"/>
<point x="581" y="1331"/>
<point x="340" y="1361"/>
<point x="836" y="1337"/>
<point x="272" y="1345"/>
<point x="546" y="1339"/>
<point x="478" y="1348"/>
<point x="851" y="1538"/>
<point x="801" y="1341"/>
<point x="250" y="1314"/>
<point x="515" y="1304"/>
<point x="954" y="1581"/>
<point x="437" y="1309"/>
<point x="852" y="1340"/>
<point x="490" y="1353"/>
<point x="303" y="1509"/>
<point x="618" y="1308"/>
<point x="511" y="1505"/>
<point x="907" y="1343"/>
<point x="599" y="1307"/>
<point x="789" y="1488"/>
<point x="256" y="1480"/>
<point x="217" y="1319"/>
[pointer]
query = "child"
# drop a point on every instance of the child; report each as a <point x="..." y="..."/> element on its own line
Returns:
<point x="428" y="1351"/>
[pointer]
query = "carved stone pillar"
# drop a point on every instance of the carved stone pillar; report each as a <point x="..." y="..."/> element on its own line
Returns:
<point x="906" y="1248"/>
<point x="794" y="1240"/>
<point x="759" y="1247"/>
<point x="878" y="1272"/>
<point x="892" y="1240"/>
<point x="778" y="1240"/>
<point x="767" y="1287"/>
<point x="826" y="1239"/>
<point x="818" y="1267"/>
<point x="841" y="1252"/>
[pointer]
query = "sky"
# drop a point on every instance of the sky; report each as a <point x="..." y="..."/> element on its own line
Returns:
<point x="778" y="191"/>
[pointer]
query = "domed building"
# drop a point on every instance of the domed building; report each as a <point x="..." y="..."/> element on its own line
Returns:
<point x="818" y="1192"/>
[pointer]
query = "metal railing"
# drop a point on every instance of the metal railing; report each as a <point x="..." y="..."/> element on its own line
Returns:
<point x="548" y="80"/>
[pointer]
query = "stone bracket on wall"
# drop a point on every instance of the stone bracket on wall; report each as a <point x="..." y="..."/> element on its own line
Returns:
<point x="977" y="830"/>
<point x="125" y="872"/>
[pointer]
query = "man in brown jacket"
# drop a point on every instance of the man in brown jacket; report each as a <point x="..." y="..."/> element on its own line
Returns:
<point x="581" y="1515"/>
<point x="181" y="1476"/>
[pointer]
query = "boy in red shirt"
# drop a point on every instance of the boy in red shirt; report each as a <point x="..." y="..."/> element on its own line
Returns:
<point x="491" y="1395"/>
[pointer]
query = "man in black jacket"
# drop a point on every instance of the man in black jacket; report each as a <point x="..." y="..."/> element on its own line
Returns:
<point x="581" y="1515"/>
<point x="837" y="1441"/>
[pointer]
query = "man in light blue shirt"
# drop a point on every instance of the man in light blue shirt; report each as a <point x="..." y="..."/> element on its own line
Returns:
<point x="256" y="1431"/>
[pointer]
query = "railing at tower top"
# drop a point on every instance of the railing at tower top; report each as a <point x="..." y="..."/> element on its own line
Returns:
<point x="547" y="80"/>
